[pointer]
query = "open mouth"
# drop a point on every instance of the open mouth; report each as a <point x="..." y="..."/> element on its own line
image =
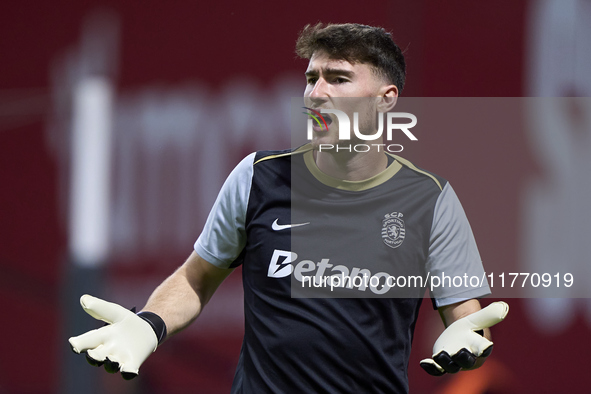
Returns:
<point x="320" y="122"/>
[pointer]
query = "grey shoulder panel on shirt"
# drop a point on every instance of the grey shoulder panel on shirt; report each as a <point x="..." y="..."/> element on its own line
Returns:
<point x="453" y="254"/>
<point x="224" y="236"/>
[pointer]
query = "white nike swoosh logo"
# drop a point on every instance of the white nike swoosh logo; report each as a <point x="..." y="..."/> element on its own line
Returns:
<point x="275" y="226"/>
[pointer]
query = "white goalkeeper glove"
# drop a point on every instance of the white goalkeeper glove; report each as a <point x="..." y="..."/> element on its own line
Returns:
<point x="125" y="343"/>
<point x="460" y="344"/>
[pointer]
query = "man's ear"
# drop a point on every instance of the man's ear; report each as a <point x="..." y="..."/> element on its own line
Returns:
<point x="387" y="99"/>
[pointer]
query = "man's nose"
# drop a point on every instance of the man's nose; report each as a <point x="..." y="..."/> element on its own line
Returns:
<point x="320" y="89"/>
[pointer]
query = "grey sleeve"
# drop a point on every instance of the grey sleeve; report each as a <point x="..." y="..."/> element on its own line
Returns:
<point x="454" y="264"/>
<point x="224" y="235"/>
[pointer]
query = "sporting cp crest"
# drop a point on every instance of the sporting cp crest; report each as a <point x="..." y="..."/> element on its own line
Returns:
<point x="393" y="229"/>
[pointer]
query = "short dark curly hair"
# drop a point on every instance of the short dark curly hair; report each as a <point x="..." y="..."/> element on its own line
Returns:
<point x="355" y="43"/>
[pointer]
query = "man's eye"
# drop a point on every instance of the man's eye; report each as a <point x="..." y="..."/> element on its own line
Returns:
<point x="312" y="81"/>
<point x="340" y="80"/>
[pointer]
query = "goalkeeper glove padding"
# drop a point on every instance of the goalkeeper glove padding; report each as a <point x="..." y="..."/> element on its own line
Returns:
<point x="124" y="343"/>
<point x="462" y="342"/>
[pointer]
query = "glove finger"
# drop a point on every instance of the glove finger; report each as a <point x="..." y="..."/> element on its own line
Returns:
<point x="479" y="345"/>
<point x="128" y="375"/>
<point x="489" y="316"/>
<point x="131" y="367"/>
<point x="444" y="360"/>
<point x="88" y="340"/>
<point x="431" y="367"/>
<point x="93" y="362"/>
<point x="102" y="310"/>
<point x="487" y="351"/>
<point x="464" y="358"/>
<point x="111" y="366"/>
<point x="98" y="354"/>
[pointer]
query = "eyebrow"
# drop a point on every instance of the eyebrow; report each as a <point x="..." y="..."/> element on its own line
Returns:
<point x="331" y="71"/>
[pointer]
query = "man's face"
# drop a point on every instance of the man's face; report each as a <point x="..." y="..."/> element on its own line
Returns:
<point x="338" y="84"/>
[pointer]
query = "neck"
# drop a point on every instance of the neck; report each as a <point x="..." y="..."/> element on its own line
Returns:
<point x="351" y="166"/>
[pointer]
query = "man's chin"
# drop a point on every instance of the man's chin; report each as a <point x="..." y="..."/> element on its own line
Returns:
<point x="323" y="142"/>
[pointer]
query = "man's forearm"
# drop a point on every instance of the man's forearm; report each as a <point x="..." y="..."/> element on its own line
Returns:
<point x="181" y="297"/>
<point x="175" y="301"/>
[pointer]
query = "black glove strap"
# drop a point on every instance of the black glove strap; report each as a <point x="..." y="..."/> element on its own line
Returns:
<point x="156" y="323"/>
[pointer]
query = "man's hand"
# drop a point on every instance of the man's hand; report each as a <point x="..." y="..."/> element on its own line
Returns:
<point x="123" y="345"/>
<point x="460" y="344"/>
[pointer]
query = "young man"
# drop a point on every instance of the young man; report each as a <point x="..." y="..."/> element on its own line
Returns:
<point x="285" y="215"/>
